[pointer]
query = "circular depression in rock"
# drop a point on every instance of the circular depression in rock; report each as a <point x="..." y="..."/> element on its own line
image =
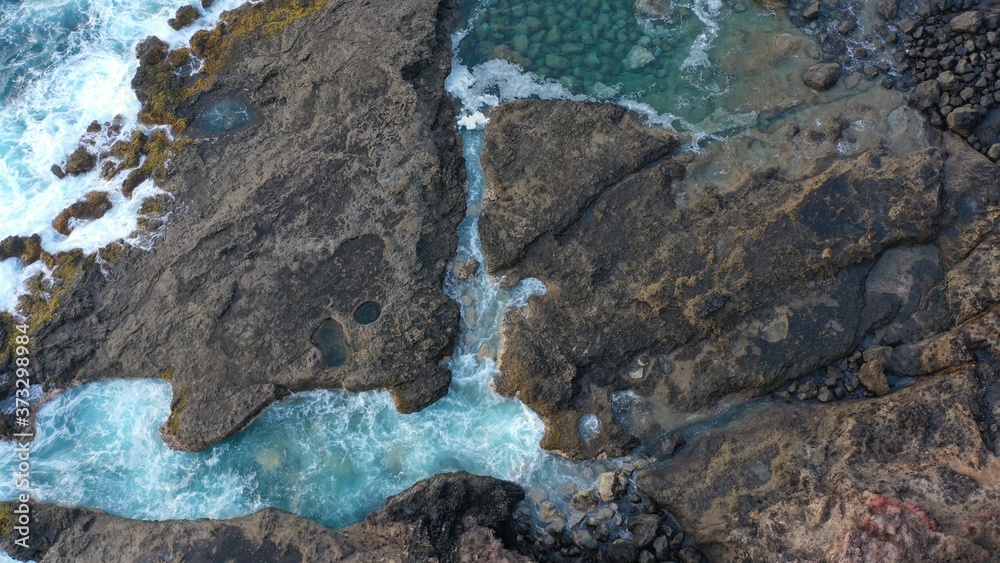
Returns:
<point x="224" y="116"/>
<point x="588" y="426"/>
<point x="329" y="339"/>
<point x="367" y="313"/>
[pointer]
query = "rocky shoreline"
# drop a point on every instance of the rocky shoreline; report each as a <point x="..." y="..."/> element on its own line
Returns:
<point x="859" y="293"/>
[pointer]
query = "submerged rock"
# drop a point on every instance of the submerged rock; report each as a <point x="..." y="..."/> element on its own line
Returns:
<point x="269" y="245"/>
<point x="446" y="518"/>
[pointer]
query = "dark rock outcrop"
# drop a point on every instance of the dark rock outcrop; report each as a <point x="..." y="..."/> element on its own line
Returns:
<point x="682" y="303"/>
<point x="346" y="187"/>
<point x="185" y="16"/>
<point x="93" y="206"/>
<point x="449" y="518"/>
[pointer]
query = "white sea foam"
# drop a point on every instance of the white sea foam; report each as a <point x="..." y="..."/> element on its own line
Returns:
<point x="708" y="12"/>
<point x="85" y="75"/>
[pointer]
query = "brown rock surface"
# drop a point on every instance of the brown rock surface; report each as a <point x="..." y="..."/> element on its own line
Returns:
<point x="910" y="476"/>
<point x="439" y="519"/>
<point x="724" y="292"/>
<point x="346" y="187"/>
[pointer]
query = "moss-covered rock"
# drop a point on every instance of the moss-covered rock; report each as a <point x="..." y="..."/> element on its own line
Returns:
<point x="93" y="206"/>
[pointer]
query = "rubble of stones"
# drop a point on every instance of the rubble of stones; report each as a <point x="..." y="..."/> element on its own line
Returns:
<point x="858" y="52"/>
<point x="953" y="53"/>
<point x="861" y="376"/>
<point x="611" y="522"/>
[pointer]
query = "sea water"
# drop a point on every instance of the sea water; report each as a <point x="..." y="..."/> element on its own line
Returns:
<point x="328" y="455"/>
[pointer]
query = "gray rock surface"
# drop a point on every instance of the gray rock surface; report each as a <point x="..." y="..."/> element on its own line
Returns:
<point x="346" y="187"/>
<point x="448" y="518"/>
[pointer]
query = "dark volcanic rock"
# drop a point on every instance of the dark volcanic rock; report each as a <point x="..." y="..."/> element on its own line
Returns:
<point x="446" y="518"/>
<point x="821" y="76"/>
<point x="93" y="206"/>
<point x="628" y="266"/>
<point x="963" y="120"/>
<point x="347" y="187"/>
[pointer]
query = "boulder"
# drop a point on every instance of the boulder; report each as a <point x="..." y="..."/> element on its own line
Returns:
<point x="822" y="76"/>
<point x="926" y="95"/>
<point x="611" y="485"/>
<point x="440" y="518"/>
<point x="93" y="206"/>
<point x="643" y="529"/>
<point x="966" y="22"/>
<point x="811" y="12"/>
<point x="185" y="16"/>
<point x="872" y="376"/>
<point x="963" y="120"/>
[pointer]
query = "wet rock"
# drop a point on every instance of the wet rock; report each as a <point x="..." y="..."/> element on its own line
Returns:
<point x="887" y="9"/>
<point x="643" y="529"/>
<point x="26" y="249"/>
<point x="790" y="129"/>
<point x="671" y="443"/>
<point x="549" y="512"/>
<point x="441" y="518"/>
<point x="185" y="16"/>
<point x="872" y="376"/>
<point x="611" y="485"/>
<point x="822" y="76"/>
<point x="93" y="206"/>
<point x="206" y="4"/>
<point x="584" y="539"/>
<point x="963" y="120"/>
<point x="466" y="270"/>
<point x="58" y="171"/>
<point x="80" y="161"/>
<point x="638" y="57"/>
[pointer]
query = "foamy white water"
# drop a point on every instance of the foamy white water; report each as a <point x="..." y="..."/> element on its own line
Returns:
<point x="66" y="64"/>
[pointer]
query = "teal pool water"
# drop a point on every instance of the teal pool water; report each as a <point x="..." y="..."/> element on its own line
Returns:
<point x="224" y="116"/>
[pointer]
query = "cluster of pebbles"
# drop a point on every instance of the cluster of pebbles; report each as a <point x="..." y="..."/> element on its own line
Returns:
<point x="860" y="376"/>
<point x="612" y="521"/>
